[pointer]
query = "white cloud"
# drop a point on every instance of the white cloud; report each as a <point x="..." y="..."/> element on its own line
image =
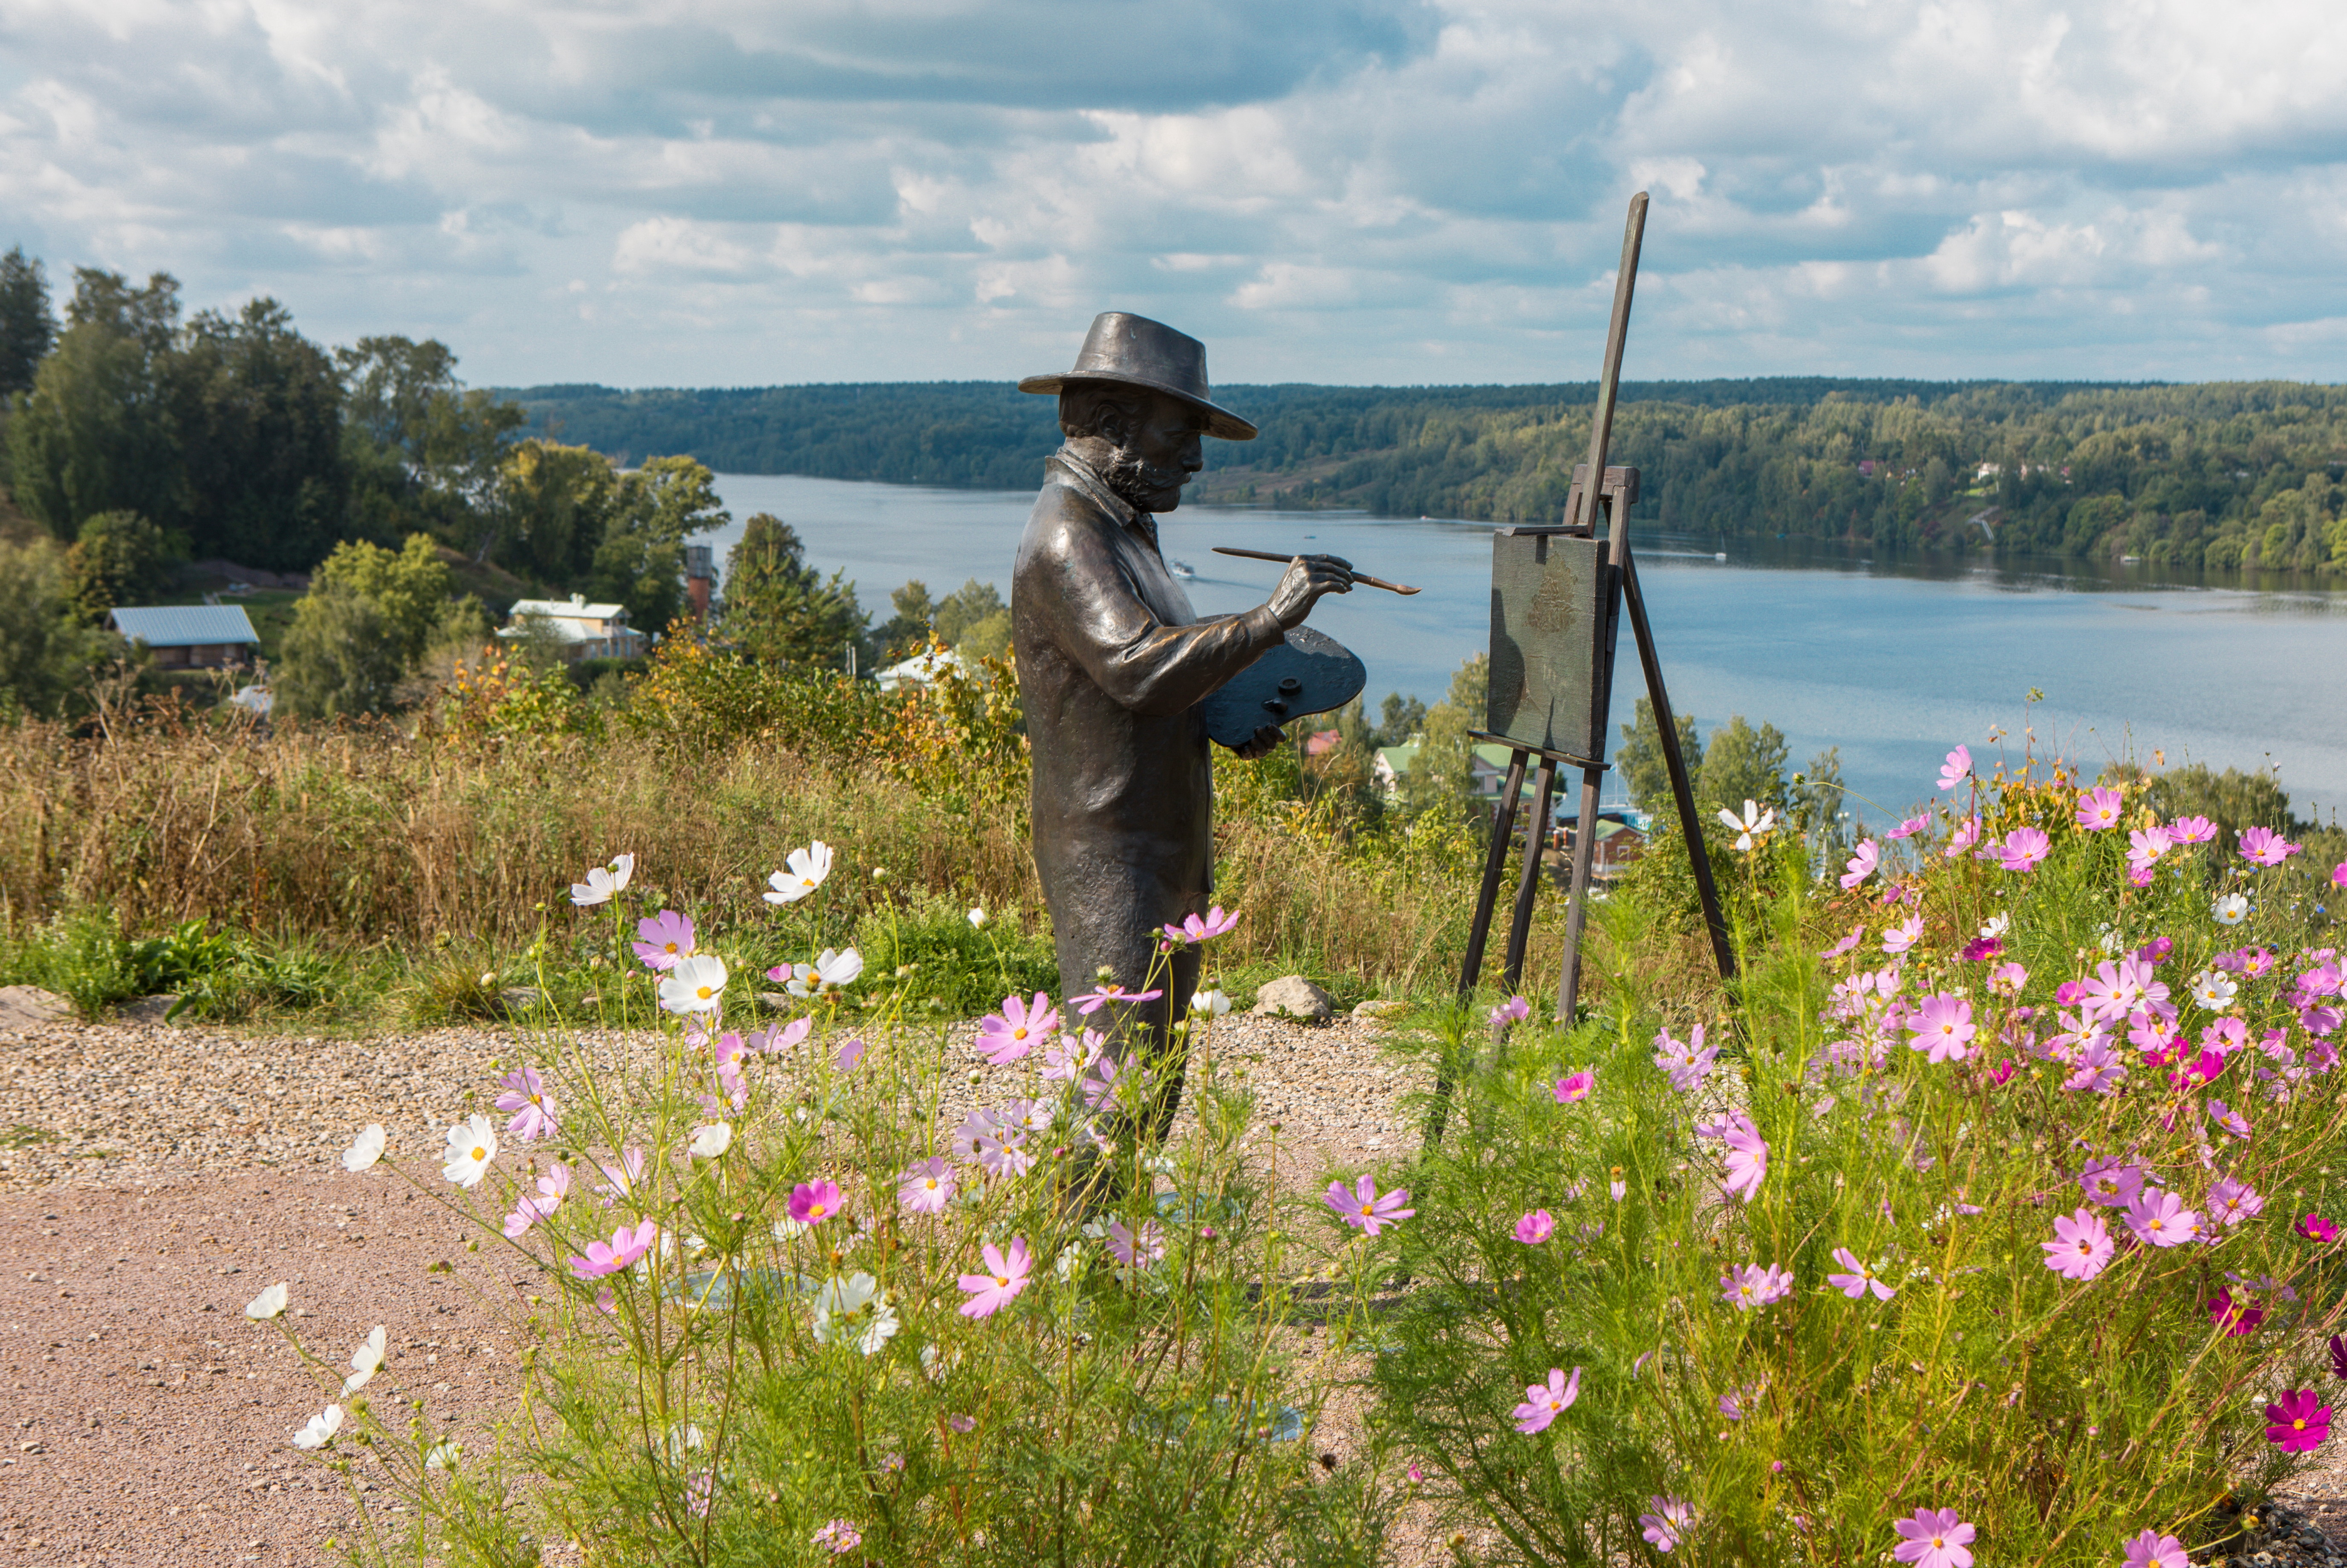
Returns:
<point x="1351" y="190"/>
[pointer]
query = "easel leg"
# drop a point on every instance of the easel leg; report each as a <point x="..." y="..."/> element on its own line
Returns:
<point x="1520" y="926"/>
<point x="1487" y="898"/>
<point x="1576" y="913"/>
<point x="1723" y="950"/>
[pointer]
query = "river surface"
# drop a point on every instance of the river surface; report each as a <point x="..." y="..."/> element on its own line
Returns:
<point x="1894" y="661"/>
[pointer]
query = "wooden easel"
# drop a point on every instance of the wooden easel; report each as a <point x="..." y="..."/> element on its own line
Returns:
<point x="1619" y="490"/>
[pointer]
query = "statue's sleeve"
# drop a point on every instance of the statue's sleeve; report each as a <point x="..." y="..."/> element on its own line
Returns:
<point x="1097" y="619"/>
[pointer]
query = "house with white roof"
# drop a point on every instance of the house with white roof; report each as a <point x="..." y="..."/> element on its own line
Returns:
<point x="586" y="630"/>
<point x="190" y="636"/>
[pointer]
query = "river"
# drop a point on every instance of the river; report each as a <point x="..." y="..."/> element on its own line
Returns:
<point x="1894" y="661"/>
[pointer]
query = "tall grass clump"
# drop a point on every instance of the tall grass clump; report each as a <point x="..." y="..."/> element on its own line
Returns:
<point x="840" y="1289"/>
<point x="1999" y="1209"/>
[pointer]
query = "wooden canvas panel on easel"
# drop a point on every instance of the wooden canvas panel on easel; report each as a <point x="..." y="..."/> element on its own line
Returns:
<point x="1548" y="643"/>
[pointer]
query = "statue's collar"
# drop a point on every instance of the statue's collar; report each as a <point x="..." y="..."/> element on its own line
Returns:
<point x="1086" y="478"/>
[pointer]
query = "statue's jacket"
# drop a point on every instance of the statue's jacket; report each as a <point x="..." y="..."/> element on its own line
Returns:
<point x="1112" y="665"/>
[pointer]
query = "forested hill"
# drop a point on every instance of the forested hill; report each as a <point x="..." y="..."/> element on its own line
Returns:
<point x="2220" y="474"/>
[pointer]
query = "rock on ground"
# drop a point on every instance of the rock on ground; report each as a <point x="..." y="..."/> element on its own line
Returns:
<point x="1293" y="995"/>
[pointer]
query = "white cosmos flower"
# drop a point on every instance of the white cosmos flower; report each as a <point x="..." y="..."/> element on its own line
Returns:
<point x="268" y="1304"/>
<point x="603" y="881"/>
<point x="444" y="1456"/>
<point x="831" y="969"/>
<point x="804" y="873"/>
<point x="365" y="1148"/>
<point x="2230" y="909"/>
<point x="978" y="919"/>
<point x="713" y="1139"/>
<point x="694" y="984"/>
<point x="852" y="1311"/>
<point x="321" y="1429"/>
<point x="1213" y="1003"/>
<point x="1751" y="824"/>
<point x="1997" y="924"/>
<point x="365" y="1362"/>
<point x="472" y="1144"/>
<point x="2213" y="990"/>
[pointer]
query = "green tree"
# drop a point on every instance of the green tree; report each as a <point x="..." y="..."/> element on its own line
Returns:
<point x="2233" y="800"/>
<point x="1440" y="775"/>
<point x="640" y="561"/>
<point x="259" y="416"/>
<point x="1399" y="718"/>
<point x="554" y="504"/>
<point x="27" y="328"/>
<point x="343" y="657"/>
<point x="974" y="619"/>
<point x="410" y="588"/>
<point x="98" y="433"/>
<point x="905" y="632"/>
<point x="1640" y="761"/>
<point x="120" y="558"/>
<point x="47" y="647"/>
<point x="424" y="453"/>
<point x="1742" y="764"/>
<point x="778" y="608"/>
<point x="1819" y="812"/>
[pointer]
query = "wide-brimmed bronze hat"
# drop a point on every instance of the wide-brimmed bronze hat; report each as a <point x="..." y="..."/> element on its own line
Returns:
<point x="1139" y="352"/>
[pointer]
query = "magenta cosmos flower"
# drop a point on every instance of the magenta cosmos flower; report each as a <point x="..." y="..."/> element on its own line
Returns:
<point x="625" y="1247"/>
<point x="2339" y="874"/>
<point x="2233" y="1317"/>
<point x="2099" y="809"/>
<point x="925" y="1188"/>
<point x="1860" y="865"/>
<point x="1004" y="1036"/>
<point x="2025" y="847"/>
<point x="1943" y="1027"/>
<point x="2159" y="1219"/>
<point x="2152" y="1549"/>
<point x="2315" y="1228"/>
<point x="663" y="938"/>
<point x="1364" y="1206"/>
<point x="1753" y="1285"/>
<point x="1535" y="1227"/>
<point x="1935" y="1538"/>
<point x="1515" y="1009"/>
<point x="812" y="1203"/>
<point x="2264" y="847"/>
<point x="532" y="1106"/>
<point x="1193" y="929"/>
<point x="1005" y="1277"/>
<point x="1543" y="1402"/>
<point x="1576" y="1086"/>
<point x="1956" y="768"/>
<point x="2298" y="1422"/>
<point x="1858" y="1278"/>
<point x="2080" y="1247"/>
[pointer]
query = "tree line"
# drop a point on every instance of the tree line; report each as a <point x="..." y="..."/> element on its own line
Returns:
<point x="2219" y="475"/>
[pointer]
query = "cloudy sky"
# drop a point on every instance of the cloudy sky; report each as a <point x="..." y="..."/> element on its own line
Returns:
<point x="750" y="191"/>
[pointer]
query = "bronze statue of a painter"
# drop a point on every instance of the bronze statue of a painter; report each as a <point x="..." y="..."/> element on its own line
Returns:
<point x="1114" y="664"/>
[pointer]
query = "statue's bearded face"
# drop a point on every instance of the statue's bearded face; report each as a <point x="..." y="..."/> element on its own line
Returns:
<point x="1148" y="444"/>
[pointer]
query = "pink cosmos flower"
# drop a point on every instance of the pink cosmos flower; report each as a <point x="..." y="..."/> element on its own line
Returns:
<point x="1666" y="1526"/>
<point x="1066" y="1058"/>
<point x="1576" y="1086"/>
<point x="621" y="1180"/>
<point x="2159" y="1219"/>
<point x="2264" y="847"/>
<point x="1091" y="1002"/>
<point x="1515" y="1009"/>
<point x="1858" y="1278"/>
<point x="2191" y="830"/>
<point x="1365" y="1208"/>
<point x="2006" y="979"/>
<point x="2023" y="848"/>
<point x="625" y="1247"/>
<point x="814" y="1203"/>
<point x="1193" y="929"/>
<point x="1002" y="1151"/>
<point x="2099" y="809"/>
<point x="2339" y="874"/>
<point x="2082" y="1246"/>
<point x="1004" y="1036"/>
<point x="663" y="938"/>
<point x="1543" y="1402"/>
<point x="1686" y="1061"/>
<point x="552" y="1187"/>
<point x="840" y="1536"/>
<point x="1747" y="1153"/>
<point x="1136" y="1251"/>
<point x="1860" y="865"/>
<point x="1943" y="1027"/>
<point x="2150" y="1549"/>
<point x="1005" y="1277"/>
<point x="1935" y="1538"/>
<point x="1535" y="1227"/>
<point x="1752" y="1286"/>
<point x="1904" y="935"/>
<point x="925" y="1188"/>
<point x="2146" y="844"/>
<point x="2234" y="1318"/>
<point x="1967" y="833"/>
<point x="2315" y="1228"/>
<point x="2298" y="1422"/>
<point x="962" y="1423"/>
<point x="1857" y="935"/>
<point x="2111" y="1181"/>
<point x="1958" y="766"/>
<point x="1909" y="828"/>
<point x="532" y="1106"/>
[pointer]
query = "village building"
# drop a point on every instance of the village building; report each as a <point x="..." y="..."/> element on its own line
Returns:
<point x="586" y="630"/>
<point x="190" y="636"/>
